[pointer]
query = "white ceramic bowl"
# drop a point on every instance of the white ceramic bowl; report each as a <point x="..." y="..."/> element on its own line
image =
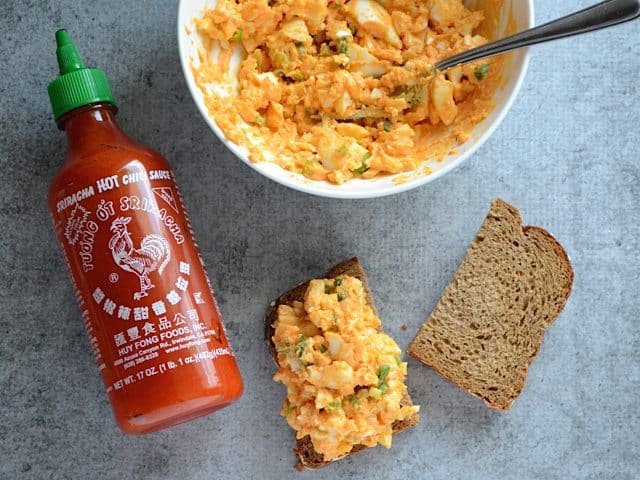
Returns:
<point x="514" y="72"/>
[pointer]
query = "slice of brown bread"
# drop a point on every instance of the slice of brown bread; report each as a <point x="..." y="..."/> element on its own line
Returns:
<point x="307" y="456"/>
<point x="489" y="323"/>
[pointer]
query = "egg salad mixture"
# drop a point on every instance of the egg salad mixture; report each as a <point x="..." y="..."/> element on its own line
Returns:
<point x="337" y="89"/>
<point x="344" y="376"/>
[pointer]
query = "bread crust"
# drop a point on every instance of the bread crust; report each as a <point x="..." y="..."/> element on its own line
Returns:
<point x="306" y="454"/>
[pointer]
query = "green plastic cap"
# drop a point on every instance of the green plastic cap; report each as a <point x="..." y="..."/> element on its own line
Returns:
<point x="77" y="85"/>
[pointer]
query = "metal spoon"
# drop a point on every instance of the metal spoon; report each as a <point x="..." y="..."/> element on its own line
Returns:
<point x="601" y="15"/>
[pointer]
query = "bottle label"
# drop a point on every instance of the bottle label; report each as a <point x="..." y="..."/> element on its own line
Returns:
<point x="145" y="297"/>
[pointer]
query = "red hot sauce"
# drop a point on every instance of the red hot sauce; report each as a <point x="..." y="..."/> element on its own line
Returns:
<point x="145" y="297"/>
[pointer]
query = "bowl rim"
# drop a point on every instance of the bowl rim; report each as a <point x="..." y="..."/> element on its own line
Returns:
<point x="310" y="186"/>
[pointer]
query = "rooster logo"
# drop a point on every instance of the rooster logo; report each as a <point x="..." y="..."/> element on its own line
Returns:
<point x="153" y="254"/>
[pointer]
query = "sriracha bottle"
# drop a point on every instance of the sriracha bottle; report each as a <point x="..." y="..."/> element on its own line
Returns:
<point x="145" y="297"/>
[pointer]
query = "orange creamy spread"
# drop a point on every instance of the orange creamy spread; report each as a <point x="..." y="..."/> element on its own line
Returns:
<point x="344" y="376"/>
<point x="342" y="89"/>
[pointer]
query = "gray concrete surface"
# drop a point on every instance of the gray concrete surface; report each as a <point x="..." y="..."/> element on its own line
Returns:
<point x="567" y="156"/>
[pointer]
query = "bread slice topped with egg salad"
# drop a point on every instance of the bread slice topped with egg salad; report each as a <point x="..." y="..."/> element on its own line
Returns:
<point x="343" y="374"/>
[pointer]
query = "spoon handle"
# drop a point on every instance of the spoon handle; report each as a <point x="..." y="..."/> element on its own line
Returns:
<point x="601" y="15"/>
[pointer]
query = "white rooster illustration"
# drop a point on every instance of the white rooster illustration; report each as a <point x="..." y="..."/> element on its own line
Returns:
<point x="153" y="254"/>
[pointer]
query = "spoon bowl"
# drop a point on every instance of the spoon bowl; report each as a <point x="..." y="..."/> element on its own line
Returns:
<point x="601" y="15"/>
<point x="515" y="15"/>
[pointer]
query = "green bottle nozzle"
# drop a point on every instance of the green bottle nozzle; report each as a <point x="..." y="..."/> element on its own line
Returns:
<point x="77" y="85"/>
<point x="69" y="58"/>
